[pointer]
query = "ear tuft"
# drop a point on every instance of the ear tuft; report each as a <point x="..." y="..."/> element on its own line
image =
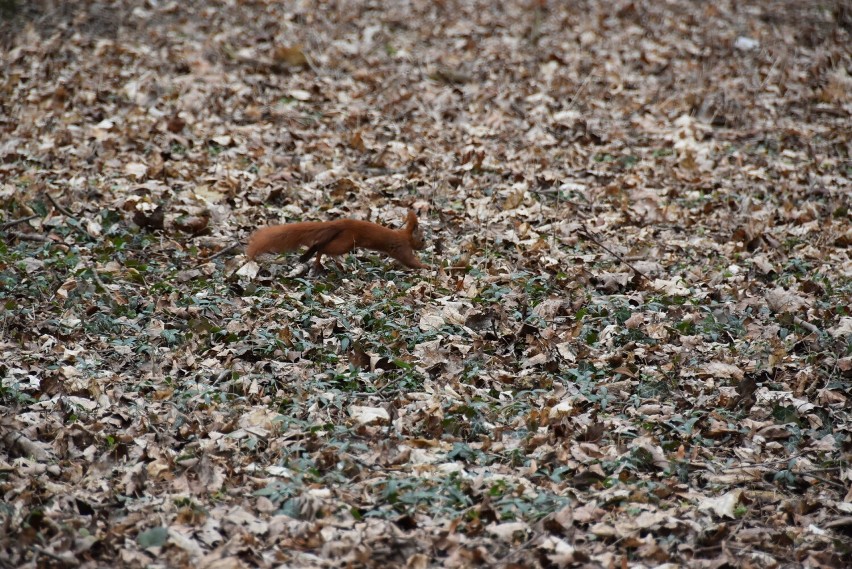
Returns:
<point x="410" y="221"/>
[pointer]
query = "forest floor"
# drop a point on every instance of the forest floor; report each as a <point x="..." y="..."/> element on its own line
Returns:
<point x="633" y="347"/>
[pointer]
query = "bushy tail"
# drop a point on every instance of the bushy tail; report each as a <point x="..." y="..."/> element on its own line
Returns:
<point x="289" y="237"/>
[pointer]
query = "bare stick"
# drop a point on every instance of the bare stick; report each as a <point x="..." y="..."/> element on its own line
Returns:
<point x="30" y="237"/>
<point x="14" y="222"/>
<point x="67" y="214"/>
<point x="590" y="236"/>
<point x="68" y="561"/>
<point x="221" y="252"/>
<point x="61" y="209"/>
<point x="806" y="325"/>
<point x="97" y="278"/>
<point x="95" y="275"/>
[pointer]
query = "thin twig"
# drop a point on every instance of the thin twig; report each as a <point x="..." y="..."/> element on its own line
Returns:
<point x="54" y="556"/>
<point x="30" y="237"/>
<point x="765" y="463"/>
<point x="221" y="252"/>
<point x="97" y="279"/>
<point x="831" y="483"/>
<point x="14" y="222"/>
<point x="69" y="215"/>
<point x="76" y="225"/>
<point x="61" y="208"/>
<point x="590" y="236"/>
<point x="517" y="550"/>
<point x="807" y="325"/>
<point x="579" y="90"/>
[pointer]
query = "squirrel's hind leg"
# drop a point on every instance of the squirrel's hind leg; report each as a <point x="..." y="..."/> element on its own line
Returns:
<point x="318" y="268"/>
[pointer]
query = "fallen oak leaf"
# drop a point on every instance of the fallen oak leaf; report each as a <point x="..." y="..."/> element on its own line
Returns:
<point x="723" y="506"/>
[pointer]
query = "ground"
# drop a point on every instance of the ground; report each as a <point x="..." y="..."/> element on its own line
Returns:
<point x="632" y="348"/>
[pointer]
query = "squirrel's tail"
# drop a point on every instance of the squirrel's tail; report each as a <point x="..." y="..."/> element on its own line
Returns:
<point x="289" y="237"/>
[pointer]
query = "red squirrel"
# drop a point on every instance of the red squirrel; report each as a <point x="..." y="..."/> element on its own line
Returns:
<point x="339" y="237"/>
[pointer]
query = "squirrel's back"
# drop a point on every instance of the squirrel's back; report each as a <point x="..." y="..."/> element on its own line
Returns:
<point x="339" y="237"/>
<point x="290" y="236"/>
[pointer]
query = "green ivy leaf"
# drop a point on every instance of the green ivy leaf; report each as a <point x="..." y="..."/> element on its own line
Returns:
<point x="154" y="537"/>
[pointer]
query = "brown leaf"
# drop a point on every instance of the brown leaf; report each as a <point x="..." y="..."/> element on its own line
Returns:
<point x="290" y="56"/>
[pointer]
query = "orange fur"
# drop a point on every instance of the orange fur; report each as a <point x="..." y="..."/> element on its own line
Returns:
<point x="339" y="237"/>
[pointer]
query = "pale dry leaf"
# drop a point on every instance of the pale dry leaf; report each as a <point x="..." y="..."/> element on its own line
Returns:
<point x="604" y="530"/>
<point x="242" y="517"/>
<point x="636" y="319"/>
<point x="723" y="506"/>
<point x="184" y="542"/>
<point x="566" y="351"/>
<point x="672" y="287"/>
<point x="430" y="353"/>
<point x="451" y="312"/>
<point x="780" y="300"/>
<point x="509" y="531"/>
<point x="560" y="409"/>
<point x="536" y="360"/>
<point x="430" y="322"/>
<point x="549" y="309"/>
<point x="249" y="270"/>
<point x="300" y="95"/>
<point x="136" y="169"/>
<point x="155" y="328"/>
<point x="843" y="328"/>
<point x="648" y="520"/>
<point x="559" y="552"/>
<point x="367" y="415"/>
<point x="722" y="370"/>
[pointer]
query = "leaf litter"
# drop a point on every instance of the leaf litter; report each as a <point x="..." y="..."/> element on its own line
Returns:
<point x="634" y="349"/>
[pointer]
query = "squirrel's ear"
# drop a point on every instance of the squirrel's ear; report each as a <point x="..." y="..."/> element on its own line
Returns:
<point x="411" y="221"/>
